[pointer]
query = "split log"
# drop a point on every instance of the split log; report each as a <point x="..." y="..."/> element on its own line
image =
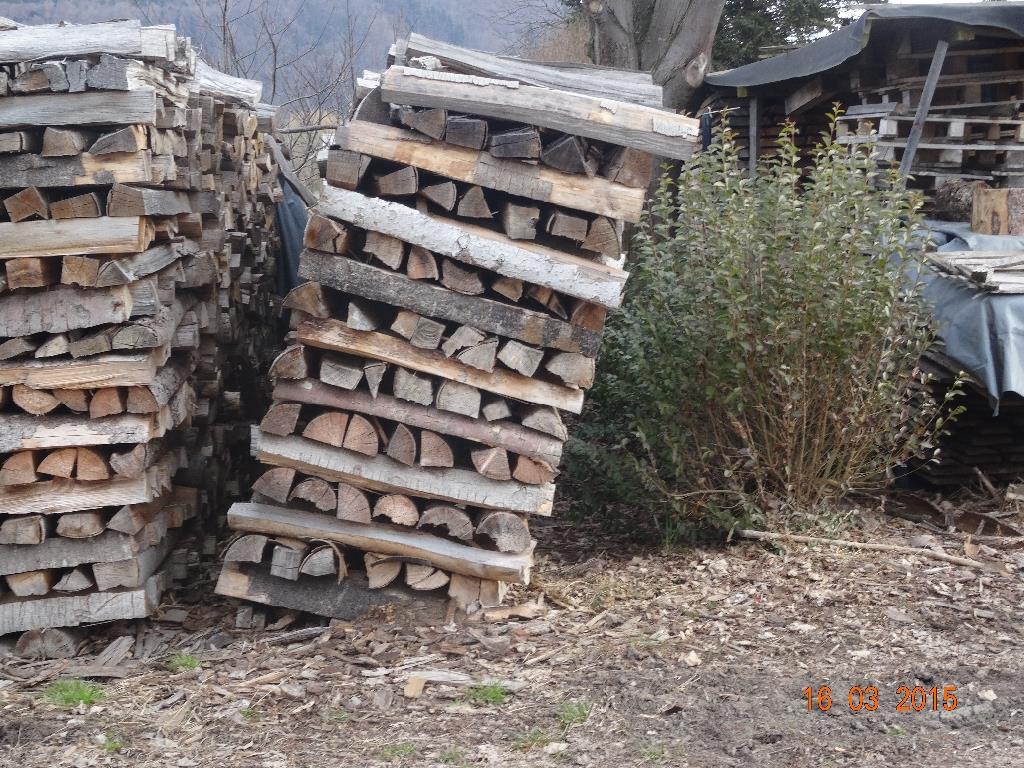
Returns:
<point x="562" y="224"/>
<point x="603" y="237"/>
<point x="108" y="401"/>
<point x="532" y="471"/>
<point x="509" y="287"/>
<point x="572" y="368"/>
<point x="389" y="250"/>
<point x="374" y="372"/>
<point x="421" y="264"/>
<point x="285" y="562"/>
<point x="246" y="549"/>
<point x="75" y="580"/>
<point x="25" y="530"/>
<point x="401" y="183"/>
<point x="362" y="315"/>
<point x="503" y="531"/>
<point x="407" y="385"/>
<point x="323" y="234"/>
<point x="546" y="420"/>
<point x="430" y="122"/>
<point x="76" y="400"/>
<point x="85" y="206"/>
<point x="62" y="309"/>
<point x="80" y="525"/>
<point x="589" y="316"/>
<point x="281" y="419"/>
<point x="361" y="436"/>
<point x="14" y="142"/>
<point x="458" y="398"/>
<point x="80" y="169"/>
<point x="59" y="463"/>
<point x="65" y="142"/>
<point x="446" y="520"/>
<point x="124" y="200"/>
<point x="16" y="347"/>
<point x="329" y="428"/>
<point x="346" y="169"/>
<point x="322" y="561"/>
<point x="567" y="154"/>
<point x="435" y="451"/>
<point x="480" y="356"/>
<point x="397" y="508"/>
<point x="469" y="132"/>
<point x="521" y="358"/>
<point x="32" y="272"/>
<point x="442" y="195"/>
<point x="91" y="465"/>
<point x="290" y="364"/>
<point x="424" y="577"/>
<point x="275" y="483"/>
<point x="131" y="138"/>
<point x="381" y="570"/>
<point x="464" y="336"/>
<point x="31" y="583"/>
<point x="352" y="504"/>
<point x="520" y="221"/>
<point x="496" y="409"/>
<point x="473" y="204"/>
<point x="308" y="298"/>
<point x="26" y="204"/>
<point x="77" y="270"/>
<point x="521" y="143"/>
<point x="317" y="492"/>
<point x="492" y="463"/>
<point x="339" y="371"/>
<point x="35" y="401"/>
<point x="625" y="165"/>
<point x="459" y="279"/>
<point x="402" y="446"/>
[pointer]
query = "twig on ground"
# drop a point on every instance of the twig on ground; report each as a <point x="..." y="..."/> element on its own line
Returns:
<point x="931" y="553"/>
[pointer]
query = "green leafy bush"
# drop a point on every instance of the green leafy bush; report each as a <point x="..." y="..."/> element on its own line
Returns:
<point x="763" y="364"/>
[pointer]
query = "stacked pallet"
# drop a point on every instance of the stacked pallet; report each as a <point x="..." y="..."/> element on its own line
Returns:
<point x="112" y="253"/>
<point x="974" y="129"/>
<point x="461" y="263"/>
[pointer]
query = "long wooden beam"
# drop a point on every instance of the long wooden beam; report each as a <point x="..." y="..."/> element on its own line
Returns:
<point x="23" y="431"/>
<point x="397" y="290"/>
<point x="381" y="473"/>
<point x="336" y="336"/>
<point x="28" y="170"/>
<point x="502" y="434"/>
<point x="572" y="275"/>
<point x="54" y="41"/>
<point x="63" y="308"/>
<point x="72" y="610"/>
<point x="89" y="108"/>
<point x="661" y="133"/>
<point x="71" y="237"/>
<point x="86" y="373"/>
<point x="412" y="544"/>
<point x="537" y="182"/>
<point x="589" y="79"/>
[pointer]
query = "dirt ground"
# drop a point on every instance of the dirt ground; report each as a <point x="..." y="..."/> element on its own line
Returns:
<point x="635" y="658"/>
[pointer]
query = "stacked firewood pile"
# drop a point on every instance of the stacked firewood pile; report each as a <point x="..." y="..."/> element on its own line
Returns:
<point x="461" y="263"/>
<point x="126" y="176"/>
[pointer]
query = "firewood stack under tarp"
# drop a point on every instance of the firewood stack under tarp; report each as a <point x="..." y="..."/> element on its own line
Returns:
<point x="116" y="252"/>
<point x="461" y="263"/>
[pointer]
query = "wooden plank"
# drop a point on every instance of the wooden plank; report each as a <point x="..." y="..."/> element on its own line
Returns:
<point x="925" y="103"/>
<point x="23" y="431"/>
<point x="336" y="336"/>
<point x="55" y="41"/>
<point x="504" y="434"/>
<point x="572" y="275"/>
<point x="661" y="133"/>
<point x="397" y="290"/>
<point x="87" y="373"/>
<point x="441" y="553"/>
<point x="537" y="182"/>
<point x="350" y="599"/>
<point x="64" y="237"/>
<point x="588" y="79"/>
<point x="213" y="82"/>
<point x="90" y="108"/>
<point x="134" y="571"/>
<point x="77" y="170"/>
<point x="72" y="610"/>
<point x="63" y="308"/>
<point x="381" y="473"/>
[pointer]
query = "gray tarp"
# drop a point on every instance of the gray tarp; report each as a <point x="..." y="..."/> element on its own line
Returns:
<point x="984" y="332"/>
<point x="844" y="44"/>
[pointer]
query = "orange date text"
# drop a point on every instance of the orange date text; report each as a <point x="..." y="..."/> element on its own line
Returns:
<point x="867" y="698"/>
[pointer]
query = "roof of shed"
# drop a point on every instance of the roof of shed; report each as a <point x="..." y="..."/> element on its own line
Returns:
<point x="832" y="50"/>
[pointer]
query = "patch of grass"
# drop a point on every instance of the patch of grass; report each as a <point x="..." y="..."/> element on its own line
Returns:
<point x="249" y="713"/>
<point x="572" y="713"/>
<point x="110" y="744"/>
<point x="71" y="693"/>
<point x="488" y="693"/>
<point x="450" y="756"/>
<point x="182" y="661"/>
<point x="402" y="749"/>
<point x="896" y="730"/>
<point x="531" y="739"/>
<point x="653" y="753"/>
<point x="341" y="716"/>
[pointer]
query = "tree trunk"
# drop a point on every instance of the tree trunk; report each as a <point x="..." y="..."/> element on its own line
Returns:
<point x="671" y="39"/>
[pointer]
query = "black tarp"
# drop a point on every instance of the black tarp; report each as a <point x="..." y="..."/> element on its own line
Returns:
<point x="842" y="45"/>
<point x="291" y="216"/>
